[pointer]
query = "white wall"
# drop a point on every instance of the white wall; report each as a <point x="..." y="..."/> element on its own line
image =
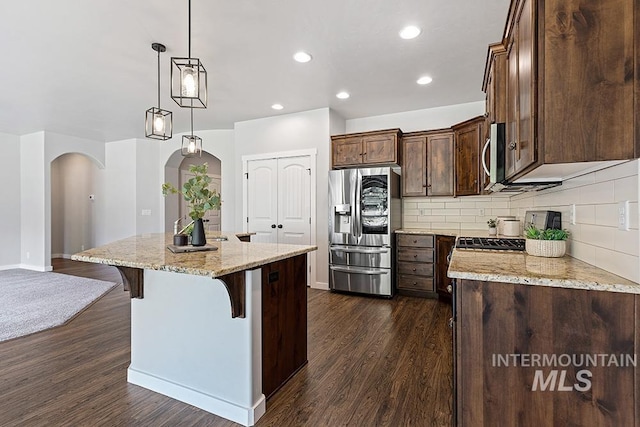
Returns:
<point x="290" y="132"/>
<point x="10" y="206"/>
<point x="595" y="238"/>
<point x="427" y="119"/>
<point x="73" y="214"/>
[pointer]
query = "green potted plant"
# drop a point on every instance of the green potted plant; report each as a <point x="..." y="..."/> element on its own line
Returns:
<point x="493" y="224"/>
<point x="199" y="197"/>
<point x="546" y="243"/>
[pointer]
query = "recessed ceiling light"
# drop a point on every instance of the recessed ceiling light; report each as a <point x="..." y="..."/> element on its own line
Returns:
<point x="410" y="32"/>
<point x="424" y="80"/>
<point x="277" y="106"/>
<point x="342" y="95"/>
<point x="302" y="57"/>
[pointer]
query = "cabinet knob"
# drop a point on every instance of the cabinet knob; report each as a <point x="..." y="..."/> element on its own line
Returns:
<point x="428" y="185"/>
<point x="450" y="289"/>
<point x="451" y="322"/>
<point x="414" y="270"/>
<point x="512" y="145"/>
<point x="415" y="283"/>
<point x="415" y="241"/>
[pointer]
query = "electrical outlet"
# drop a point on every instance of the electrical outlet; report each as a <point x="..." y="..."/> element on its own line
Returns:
<point x="623" y="215"/>
<point x="82" y="247"/>
<point x="572" y="215"/>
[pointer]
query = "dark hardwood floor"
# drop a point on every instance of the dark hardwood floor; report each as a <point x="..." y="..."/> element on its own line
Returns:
<point x="372" y="362"/>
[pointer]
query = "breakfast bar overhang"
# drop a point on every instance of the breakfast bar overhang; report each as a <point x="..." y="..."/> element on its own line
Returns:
<point x="221" y="330"/>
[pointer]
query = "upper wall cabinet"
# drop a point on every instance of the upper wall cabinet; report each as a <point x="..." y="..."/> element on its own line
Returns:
<point x="572" y="76"/>
<point x="428" y="163"/>
<point x="367" y="148"/>
<point x="469" y="140"/>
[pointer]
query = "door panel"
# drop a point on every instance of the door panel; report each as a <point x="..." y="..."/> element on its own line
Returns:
<point x="294" y="200"/>
<point x="262" y="204"/>
<point x="440" y="165"/>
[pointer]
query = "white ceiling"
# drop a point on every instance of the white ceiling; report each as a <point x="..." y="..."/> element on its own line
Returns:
<point x="86" y="68"/>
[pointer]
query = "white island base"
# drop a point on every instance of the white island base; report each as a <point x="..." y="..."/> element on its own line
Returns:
<point x="186" y="345"/>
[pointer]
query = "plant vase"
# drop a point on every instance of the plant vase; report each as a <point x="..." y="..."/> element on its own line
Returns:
<point x="493" y="231"/>
<point x="546" y="248"/>
<point x="197" y="235"/>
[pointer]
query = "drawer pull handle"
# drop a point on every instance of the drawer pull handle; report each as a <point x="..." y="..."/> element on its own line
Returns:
<point x="415" y="241"/>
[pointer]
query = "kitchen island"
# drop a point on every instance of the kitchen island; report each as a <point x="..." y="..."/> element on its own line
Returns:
<point x="543" y="341"/>
<point x="221" y="329"/>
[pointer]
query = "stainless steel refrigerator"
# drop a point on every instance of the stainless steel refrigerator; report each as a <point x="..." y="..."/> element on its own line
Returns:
<point x="365" y="209"/>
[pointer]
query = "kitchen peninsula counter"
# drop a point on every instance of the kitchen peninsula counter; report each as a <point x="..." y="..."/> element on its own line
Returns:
<point x="523" y="327"/>
<point x="223" y="329"/>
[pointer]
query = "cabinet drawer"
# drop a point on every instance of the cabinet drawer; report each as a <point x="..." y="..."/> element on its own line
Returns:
<point x="420" y="269"/>
<point x="415" y="282"/>
<point x="415" y="240"/>
<point x="417" y="255"/>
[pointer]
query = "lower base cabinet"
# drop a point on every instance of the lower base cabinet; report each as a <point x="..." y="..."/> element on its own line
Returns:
<point x="531" y="355"/>
<point x="422" y="263"/>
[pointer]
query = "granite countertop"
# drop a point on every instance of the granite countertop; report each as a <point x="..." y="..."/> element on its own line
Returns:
<point x="520" y="268"/>
<point x="454" y="233"/>
<point x="150" y="251"/>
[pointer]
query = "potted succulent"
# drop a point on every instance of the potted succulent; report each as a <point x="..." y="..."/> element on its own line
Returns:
<point x="493" y="224"/>
<point x="546" y="243"/>
<point x="199" y="197"/>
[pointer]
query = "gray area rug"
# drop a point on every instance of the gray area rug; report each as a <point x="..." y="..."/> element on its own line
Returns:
<point x="31" y="301"/>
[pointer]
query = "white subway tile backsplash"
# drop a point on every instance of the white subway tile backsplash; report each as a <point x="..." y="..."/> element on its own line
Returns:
<point x="595" y="237"/>
<point x="598" y="235"/>
<point x="607" y="214"/>
<point x="618" y="263"/>
<point x="585" y="214"/>
<point x="626" y="189"/>
<point x="601" y="192"/>
<point x="622" y="170"/>
<point x="626" y="242"/>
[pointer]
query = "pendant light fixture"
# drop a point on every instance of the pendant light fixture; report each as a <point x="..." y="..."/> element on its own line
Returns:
<point x="158" y="123"/>
<point x="191" y="144"/>
<point x="189" y="79"/>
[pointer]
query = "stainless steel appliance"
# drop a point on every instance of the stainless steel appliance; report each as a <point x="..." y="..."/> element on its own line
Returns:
<point x="543" y="219"/>
<point x="496" y="169"/>
<point x="492" y="243"/>
<point x="364" y="211"/>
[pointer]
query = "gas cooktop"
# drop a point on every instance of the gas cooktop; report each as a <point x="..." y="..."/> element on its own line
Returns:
<point x="495" y="243"/>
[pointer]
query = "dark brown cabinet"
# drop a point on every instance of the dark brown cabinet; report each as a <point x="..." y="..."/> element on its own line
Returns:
<point x="444" y="244"/>
<point x="468" y="147"/>
<point x="571" y="86"/>
<point x="415" y="264"/>
<point x="422" y="263"/>
<point x="440" y="177"/>
<point x="284" y="321"/>
<point x="428" y="163"/>
<point x="495" y="87"/>
<point x="367" y="148"/>
<point x="500" y="330"/>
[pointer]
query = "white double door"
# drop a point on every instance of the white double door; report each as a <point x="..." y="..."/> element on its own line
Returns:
<point x="279" y="200"/>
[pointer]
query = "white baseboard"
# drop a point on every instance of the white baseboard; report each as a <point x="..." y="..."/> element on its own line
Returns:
<point x="222" y="408"/>
<point x="36" y="267"/>
<point x="321" y="285"/>
<point x="9" y="267"/>
<point x="64" y="256"/>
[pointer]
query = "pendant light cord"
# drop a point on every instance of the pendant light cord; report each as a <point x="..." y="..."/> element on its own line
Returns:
<point x="191" y="118"/>
<point x="189" y="30"/>
<point x="158" y="78"/>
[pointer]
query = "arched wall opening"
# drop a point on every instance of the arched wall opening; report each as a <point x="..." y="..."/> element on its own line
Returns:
<point x="176" y="171"/>
<point x="74" y="191"/>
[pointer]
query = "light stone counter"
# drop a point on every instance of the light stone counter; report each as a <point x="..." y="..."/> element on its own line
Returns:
<point x="520" y="268"/>
<point x="149" y="251"/>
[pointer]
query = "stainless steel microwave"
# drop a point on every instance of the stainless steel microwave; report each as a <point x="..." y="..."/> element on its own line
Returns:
<point x="497" y="165"/>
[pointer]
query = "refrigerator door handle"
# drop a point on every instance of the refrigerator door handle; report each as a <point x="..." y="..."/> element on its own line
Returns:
<point x="356" y="270"/>
<point x="358" y="205"/>
<point x="360" y="250"/>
